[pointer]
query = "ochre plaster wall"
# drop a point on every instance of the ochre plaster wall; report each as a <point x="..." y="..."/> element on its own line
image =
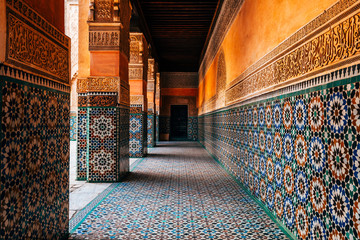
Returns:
<point x="260" y="26"/>
<point x="51" y="10"/>
<point x="138" y="87"/>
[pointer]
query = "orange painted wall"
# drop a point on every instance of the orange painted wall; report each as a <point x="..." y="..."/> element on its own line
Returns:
<point x="179" y="92"/>
<point x="260" y="26"/>
<point x="200" y="98"/>
<point x="51" y="10"/>
<point x="105" y="63"/>
<point x="138" y="87"/>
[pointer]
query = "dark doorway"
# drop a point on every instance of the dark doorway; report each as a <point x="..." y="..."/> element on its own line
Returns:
<point x="178" y="122"/>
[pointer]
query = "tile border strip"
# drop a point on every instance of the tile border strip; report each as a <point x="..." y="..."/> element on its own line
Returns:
<point x="30" y="78"/>
<point x="336" y="78"/>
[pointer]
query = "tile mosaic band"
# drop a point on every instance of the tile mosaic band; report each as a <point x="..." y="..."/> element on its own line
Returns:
<point x="296" y="151"/>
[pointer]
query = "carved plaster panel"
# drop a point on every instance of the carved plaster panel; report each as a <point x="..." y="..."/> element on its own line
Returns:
<point x="98" y="84"/>
<point x="104" y="40"/>
<point x="157" y="92"/>
<point x="137" y="99"/>
<point x="35" y="45"/>
<point x="151" y="69"/>
<point x="341" y="43"/>
<point x="104" y="11"/>
<point x="136" y="48"/>
<point x="135" y="72"/>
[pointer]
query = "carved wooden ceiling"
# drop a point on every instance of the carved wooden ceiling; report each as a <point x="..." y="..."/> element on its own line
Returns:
<point x="179" y="30"/>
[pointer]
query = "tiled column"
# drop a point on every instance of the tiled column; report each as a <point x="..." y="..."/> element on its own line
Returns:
<point x="138" y="100"/>
<point x="157" y="105"/>
<point x="151" y="87"/>
<point x="34" y="122"/>
<point x="104" y="95"/>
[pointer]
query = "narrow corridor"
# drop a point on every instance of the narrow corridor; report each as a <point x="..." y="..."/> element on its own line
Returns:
<point x="177" y="192"/>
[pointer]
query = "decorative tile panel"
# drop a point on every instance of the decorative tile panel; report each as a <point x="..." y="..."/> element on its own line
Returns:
<point x="73" y="126"/>
<point x="34" y="125"/>
<point x="138" y="135"/>
<point x="82" y="144"/>
<point x="44" y="49"/>
<point x="298" y="154"/>
<point x="34" y="161"/>
<point x="102" y="151"/>
<point x="192" y="128"/>
<point x="151" y="130"/>
<point x="157" y="127"/>
<point x="102" y="145"/>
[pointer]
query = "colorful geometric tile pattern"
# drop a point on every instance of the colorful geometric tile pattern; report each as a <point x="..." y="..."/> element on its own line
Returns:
<point x="192" y="128"/>
<point x="73" y="126"/>
<point x="102" y="162"/>
<point x="138" y="135"/>
<point x="34" y="159"/>
<point x="178" y="193"/>
<point x="82" y="144"/>
<point x="103" y="143"/>
<point x="151" y="130"/>
<point x="299" y="154"/>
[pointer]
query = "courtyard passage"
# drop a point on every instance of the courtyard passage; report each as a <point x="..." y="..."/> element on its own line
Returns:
<point x="177" y="192"/>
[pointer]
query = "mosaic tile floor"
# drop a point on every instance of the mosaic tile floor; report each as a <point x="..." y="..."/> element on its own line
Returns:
<point x="177" y="192"/>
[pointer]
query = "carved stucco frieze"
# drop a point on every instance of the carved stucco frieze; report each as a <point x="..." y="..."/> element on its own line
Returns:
<point x="137" y="99"/>
<point x="104" y="11"/>
<point x="157" y="94"/>
<point x="151" y="69"/>
<point x="30" y="16"/>
<point x="136" y="48"/>
<point x="30" y="49"/>
<point x="105" y="85"/>
<point x="104" y="40"/>
<point x="98" y="84"/>
<point x="135" y="72"/>
<point x="341" y="43"/>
